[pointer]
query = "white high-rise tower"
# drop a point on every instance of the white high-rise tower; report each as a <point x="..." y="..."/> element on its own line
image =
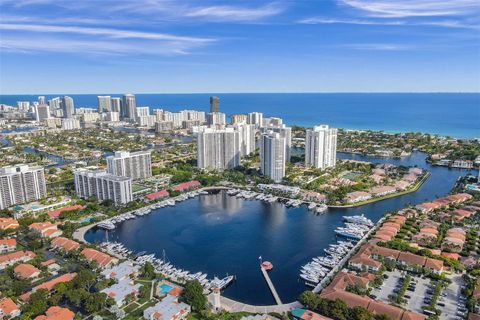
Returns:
<point x="273" y="155"/>
<point x="321" y="147"/>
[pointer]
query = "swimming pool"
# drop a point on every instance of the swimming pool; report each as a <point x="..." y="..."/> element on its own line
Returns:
<point x="165" y="288"/>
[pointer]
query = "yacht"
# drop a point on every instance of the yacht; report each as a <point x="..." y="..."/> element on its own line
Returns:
<point x="361" y="219"/>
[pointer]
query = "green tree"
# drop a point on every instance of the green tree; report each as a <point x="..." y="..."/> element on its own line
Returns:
<point x="193" y="295"/>
<point x="37" y="303"/>
<point x="148" y="270"/>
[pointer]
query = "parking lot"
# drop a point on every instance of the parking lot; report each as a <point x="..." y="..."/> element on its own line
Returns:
<point x="420" y="289"/>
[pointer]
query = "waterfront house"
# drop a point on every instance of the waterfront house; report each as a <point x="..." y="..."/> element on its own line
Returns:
<point x="380" y="191"/>
<point x="8" y="224"/>
<point x="410" y="261"/>
<point x="364" y="262"/>
<point x="102" y="259"/>
<point x="26" y="271"/>
<point x="464" y="164"/>
<point x="312" y="196"/>
<point x="49" y="285"/>
<point x="187" y="186"/>
<point x="162" y="194"/>
<point x="65" y="244"/>
<point x="402" y="185"/>
<point x="10" y="259"/>
<point x="9" y="309"/>
<point x="167" y="309"/>
<point x="46" y="229"/>
<point x="7" y="245"/>
<point x="357" y="196"/>
<point x="382" y="253"/>
<point x="57" y="313"/>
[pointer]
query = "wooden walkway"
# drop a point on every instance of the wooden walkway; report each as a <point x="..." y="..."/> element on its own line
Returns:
<point x="271" y="286"/>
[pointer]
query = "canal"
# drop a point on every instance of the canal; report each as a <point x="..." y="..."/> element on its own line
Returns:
<point x="219" y="234"/>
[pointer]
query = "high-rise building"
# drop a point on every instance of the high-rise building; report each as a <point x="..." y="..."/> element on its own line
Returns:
<point x="214" y="104"/>
<point x="68" y="107"/>
<point x="255" y="118"/>
<point x="238" y="118"/>
<point x="70" y="124"/>
<point x="102" y="185"/>
<point x="272" y="122"/>
<point x="163" y="126"/>
<point x="42" y="112"/>
<point x="20" y="184"/>
<point x="216" y="119"/>
<point x="23" y="105"/>
<point x="136" y="165"/>
<point x="272" y="155"/>
<point x="112" y="116"/>
<point x="218" y="148"/>
<point x="284" y="131"/>
<point x="158" y="114"/>
<point x="143" y="111"/>
<point x="116" y="105"/>
<point x="104" y="104"/>
<point x="41" y="99"/>
<point x="55" y="103"/>
<point x="129" y="107"/>
<point x="321" y="147"/>
<point x="247" y="137"/>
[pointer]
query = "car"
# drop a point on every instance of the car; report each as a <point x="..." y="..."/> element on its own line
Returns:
<point x="385" y="276"/>
<point x="441" y="304"/>
<point x="407" y="296"/>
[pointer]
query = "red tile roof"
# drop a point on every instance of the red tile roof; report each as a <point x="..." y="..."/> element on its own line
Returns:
<point x="155" y="195"/>
<point x="49" y="284"/>
<point x="7" y="306"/>
<point x="187" y="185"/>
<point x="57" y="313"/>
<point x="25" y="271"/>
<point x="65" y="244"/>
<point x="8" y="223"/>
<point x="56" y="213"/>
<point x="102" y="259"/>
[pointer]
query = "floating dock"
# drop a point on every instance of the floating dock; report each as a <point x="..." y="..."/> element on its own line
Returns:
<point x="270" y="285"/>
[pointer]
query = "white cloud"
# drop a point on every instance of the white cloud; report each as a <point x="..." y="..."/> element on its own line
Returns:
<point x="378" y="46"/>
<point x="414" y="8"/>
<point x="231" y="13"/>
<point x="320" y="20"/>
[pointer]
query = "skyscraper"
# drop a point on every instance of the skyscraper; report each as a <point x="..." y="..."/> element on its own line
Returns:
<point x="20" y="184"/>
<point x="247" y="137"/>
<point x="102" y="185"/>
<point x="321" y="147"/>
<point x="272" y="155"/>
<point x="104" y="104"/>
<point x="218" y="148"/>
<point x="216" y="118"/>
<point x="42" y="112"/>
<point x="68" y="107"/>
<point x="255" y="118"/>
<point x="54" y="103"/>
<point x="238" y="118"/>
<point x="116" y="104"/>
<point x="129" y="107"/>
<point x="285" y="132"/>
<point x="136" y="165"/>
<point x="214" y="104"/>
<point x="41" y="99"/>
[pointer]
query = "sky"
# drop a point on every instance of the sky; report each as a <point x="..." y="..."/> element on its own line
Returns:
<point x="189" y="46"/>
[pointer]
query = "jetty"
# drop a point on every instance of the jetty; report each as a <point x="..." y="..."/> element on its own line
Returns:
<point x="271" y="286"/>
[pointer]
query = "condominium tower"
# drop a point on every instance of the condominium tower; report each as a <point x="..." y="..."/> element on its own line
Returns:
<point x="214" y="104"/>
<point x="218" y="148"/>
<point x="273" y="155"/>
<point x="116" y="104"/>
<point x="20" y="184"/>
<point x="68" y="107"/>
<point x="104" y="104"/>
<point x="102" y="185"/>
<point x="321" y="147"/>
<point x="136" y="165"/>
<point x="129" y="107"/>
<point x="255" y="118"/>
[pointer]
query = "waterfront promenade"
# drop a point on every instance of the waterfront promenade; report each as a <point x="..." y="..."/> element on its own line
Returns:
<point x="235" y="306"/>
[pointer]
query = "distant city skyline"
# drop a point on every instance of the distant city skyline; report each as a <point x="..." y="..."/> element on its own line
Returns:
<point x="217" y="46"/>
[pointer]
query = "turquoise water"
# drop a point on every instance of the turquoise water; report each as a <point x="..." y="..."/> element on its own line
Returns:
<point x="454" y="114"/>
<point x="165" y="288"/>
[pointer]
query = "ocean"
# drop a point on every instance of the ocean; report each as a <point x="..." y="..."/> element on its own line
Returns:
<point x="451" y="114"/>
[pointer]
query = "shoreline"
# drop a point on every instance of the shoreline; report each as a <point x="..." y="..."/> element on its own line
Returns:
<point x="388" y="196"/>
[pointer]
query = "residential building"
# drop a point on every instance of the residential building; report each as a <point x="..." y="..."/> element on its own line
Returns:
<point x="215" y="119"/>
<point x="119" y="291"/>
<point x="136" y="165"/>
<point x="46" y="229"/>
<point x="26" y="271"/>
<point x="71" y="124"/>
<point x="10" y="259"/>
<point x="273" y="155"/>
<point x="238" y="118"/>
<point x="102" y="259"/>
<point x="124" y="271"/>
<point x="321" y="147"/>
<point x="146" y="121"/>
<point x="49" y="285"/>
<point x="218" y="148"/>
<point x="255" y="118"/>
<point x="143" y="111"/>
<point x="214" y="104"/>
<point x="129" y="107"/>
<point x="64" y="244"/>
<point x="113" y="116"/>
<point x="68" y="107"/>
<point x="42" y="112"/>
<point x="247" y="137"/>
<point x="7" y="245"/>
<point x="116" y="104"/>
<point x="57" y="313"/>
<point x="167" y="309"/>
<point x="163" y="126"/>
<point x="103" y="186"/>
<point x="104" y="104"/>
<point x="8" y="309"/>
<point x="20" y="184"/>
<point x="8" y="224"/>
<point x="272" y="122"/>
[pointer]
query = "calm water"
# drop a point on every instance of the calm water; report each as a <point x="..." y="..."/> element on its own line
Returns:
<point x="454" y="114"/>
<point x="219" y="234"/>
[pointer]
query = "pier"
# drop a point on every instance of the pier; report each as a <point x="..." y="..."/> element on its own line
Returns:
<point x="270" y="285"/>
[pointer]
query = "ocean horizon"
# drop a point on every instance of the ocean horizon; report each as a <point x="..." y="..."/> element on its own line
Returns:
<point x="449" y="114"/>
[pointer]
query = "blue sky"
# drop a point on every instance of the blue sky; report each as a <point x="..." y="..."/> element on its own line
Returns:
<point x="94" y="46"/>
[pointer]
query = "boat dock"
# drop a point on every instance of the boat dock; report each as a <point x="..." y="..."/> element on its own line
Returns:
<point x="270" y="285"/>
